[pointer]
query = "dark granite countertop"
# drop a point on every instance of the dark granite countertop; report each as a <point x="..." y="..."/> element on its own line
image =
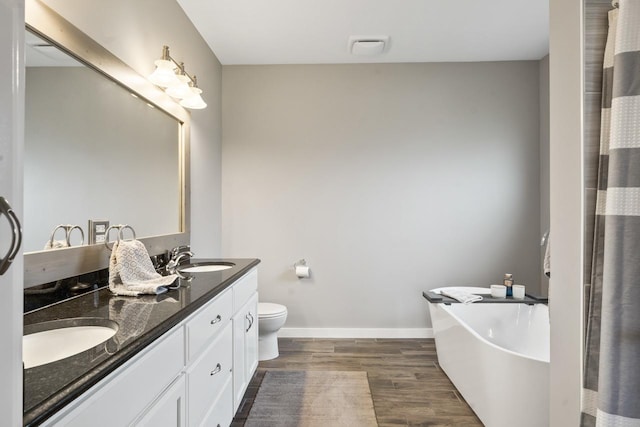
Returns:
<point x="141" y="320"/>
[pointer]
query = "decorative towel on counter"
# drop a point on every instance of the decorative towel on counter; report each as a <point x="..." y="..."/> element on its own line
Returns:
<point x="547" y="258"/>
<point x="131" y="272"/>
<point x="461" y="296"/>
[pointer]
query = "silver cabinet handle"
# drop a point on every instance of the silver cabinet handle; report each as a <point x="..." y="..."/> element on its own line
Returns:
<point x="16" y="235"/>
<point x="218" y="369"/>
<point x="216" y="320"/>
<point x="250" y="318"/>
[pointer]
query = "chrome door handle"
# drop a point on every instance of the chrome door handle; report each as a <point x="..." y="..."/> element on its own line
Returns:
<point x="218" y="369"/>
<point x="216" y="320"/>
<point x="16" y="235"/>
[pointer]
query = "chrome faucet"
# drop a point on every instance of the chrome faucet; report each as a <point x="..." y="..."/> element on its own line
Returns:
<point x="173" y="253"/>
<point x="176" y="255"/>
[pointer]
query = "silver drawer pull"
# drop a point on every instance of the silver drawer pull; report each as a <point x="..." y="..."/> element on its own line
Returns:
<point x="249" y="317"/>
<point x="218" y="369"/>
<point x="216" y="320"/>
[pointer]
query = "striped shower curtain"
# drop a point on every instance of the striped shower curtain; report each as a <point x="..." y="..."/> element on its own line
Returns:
<point x="611" y="386"/>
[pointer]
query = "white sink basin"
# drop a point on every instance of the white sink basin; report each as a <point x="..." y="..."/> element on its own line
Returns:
<point x="205" y="267"/>
<point x="63" y="339"/>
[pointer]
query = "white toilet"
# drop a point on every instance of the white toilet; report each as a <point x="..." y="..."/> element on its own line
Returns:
<point x="271" y="318"/>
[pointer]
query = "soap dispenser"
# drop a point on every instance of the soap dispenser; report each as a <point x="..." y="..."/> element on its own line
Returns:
<point x="508" y="282"/>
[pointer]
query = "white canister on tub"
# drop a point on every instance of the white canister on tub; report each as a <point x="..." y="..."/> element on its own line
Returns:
<point x="518" y="291"/>
<point x="498" y="291"/>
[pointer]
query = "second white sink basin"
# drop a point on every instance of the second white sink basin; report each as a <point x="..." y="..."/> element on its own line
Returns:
<point x="205" y="267"/>
<point x="64" y="339"/>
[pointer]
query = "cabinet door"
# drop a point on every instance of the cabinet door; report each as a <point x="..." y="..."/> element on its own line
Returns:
<point x="251" y="339"/>
<point x="245" y="348"/>
<point x="169" y="409"/>
<point x="240" y="381"/>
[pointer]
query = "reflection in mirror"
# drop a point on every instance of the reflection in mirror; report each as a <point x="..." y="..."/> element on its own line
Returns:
<point x="94" y="150"/>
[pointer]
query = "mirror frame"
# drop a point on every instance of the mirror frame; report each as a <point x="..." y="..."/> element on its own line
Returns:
<point x="46" y="266"/>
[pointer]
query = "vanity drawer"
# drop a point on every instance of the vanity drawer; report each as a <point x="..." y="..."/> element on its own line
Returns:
<point x="244" y="289"/>
<point x="207" y="322"/>
<point x="221" y="413"/>
<point x="207" y="377"/>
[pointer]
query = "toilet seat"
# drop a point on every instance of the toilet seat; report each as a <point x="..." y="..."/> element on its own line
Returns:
<point x="268" y="310"/>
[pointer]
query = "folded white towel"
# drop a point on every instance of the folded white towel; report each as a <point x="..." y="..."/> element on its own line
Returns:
<point x="461" y="296"/>
<point x="131" y="272"/>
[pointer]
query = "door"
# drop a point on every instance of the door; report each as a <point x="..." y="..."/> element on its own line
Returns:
<point x="11" y="146"/>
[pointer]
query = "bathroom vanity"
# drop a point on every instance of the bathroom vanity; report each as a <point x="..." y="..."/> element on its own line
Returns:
<point x="180" y="358"/>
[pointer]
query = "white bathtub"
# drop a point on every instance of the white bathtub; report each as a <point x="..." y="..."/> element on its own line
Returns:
<point x="497" y="356"/>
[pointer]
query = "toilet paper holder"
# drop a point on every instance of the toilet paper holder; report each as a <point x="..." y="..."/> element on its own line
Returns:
<point x="301" y="269"/>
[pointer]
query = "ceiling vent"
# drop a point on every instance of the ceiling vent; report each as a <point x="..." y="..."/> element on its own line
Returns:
<point x="368" y="45"/>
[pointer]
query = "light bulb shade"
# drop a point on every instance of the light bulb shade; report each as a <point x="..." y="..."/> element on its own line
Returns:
<point x="195" y="101"/>
<point x="179" y="91"/>
<point x="164" y="74"/>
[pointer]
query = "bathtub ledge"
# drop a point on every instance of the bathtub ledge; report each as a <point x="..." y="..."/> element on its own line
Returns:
<point x="528" y="299"/>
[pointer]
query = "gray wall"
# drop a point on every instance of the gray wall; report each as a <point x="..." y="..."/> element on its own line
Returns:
<point x="388" y="179"/>
<point x="135" y="31"/>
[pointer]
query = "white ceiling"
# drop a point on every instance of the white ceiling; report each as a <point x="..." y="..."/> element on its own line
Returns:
<point x="317" y="31"/>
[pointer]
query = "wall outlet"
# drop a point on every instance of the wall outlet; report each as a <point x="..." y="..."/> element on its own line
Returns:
<point x="97" y="230"/>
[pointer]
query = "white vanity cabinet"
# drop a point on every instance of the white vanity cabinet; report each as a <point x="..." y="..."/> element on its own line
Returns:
<point x="194" y="375"/>
<point x="245" y="334"/>
<point x="147" y="381"/>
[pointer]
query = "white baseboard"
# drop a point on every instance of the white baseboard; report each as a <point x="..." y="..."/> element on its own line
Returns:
<point x="356" y="333"/>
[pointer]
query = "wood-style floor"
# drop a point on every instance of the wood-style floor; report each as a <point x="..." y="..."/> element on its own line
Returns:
<point x="407" y="385"/>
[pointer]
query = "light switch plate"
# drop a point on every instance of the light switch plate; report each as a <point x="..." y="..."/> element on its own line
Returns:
<point x="97" y="230"/>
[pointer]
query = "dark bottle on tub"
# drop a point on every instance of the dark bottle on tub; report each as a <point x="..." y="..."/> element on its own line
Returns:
<point x="508" y="282"/>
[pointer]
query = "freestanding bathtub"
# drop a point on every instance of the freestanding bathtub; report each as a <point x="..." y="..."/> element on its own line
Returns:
<point x="497" y="356"/>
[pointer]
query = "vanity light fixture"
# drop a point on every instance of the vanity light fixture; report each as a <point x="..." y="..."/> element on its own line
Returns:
<point x="174" y="79"/>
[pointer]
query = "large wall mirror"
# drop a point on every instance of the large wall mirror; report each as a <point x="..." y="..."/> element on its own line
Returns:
<point x="101" y="143"/>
